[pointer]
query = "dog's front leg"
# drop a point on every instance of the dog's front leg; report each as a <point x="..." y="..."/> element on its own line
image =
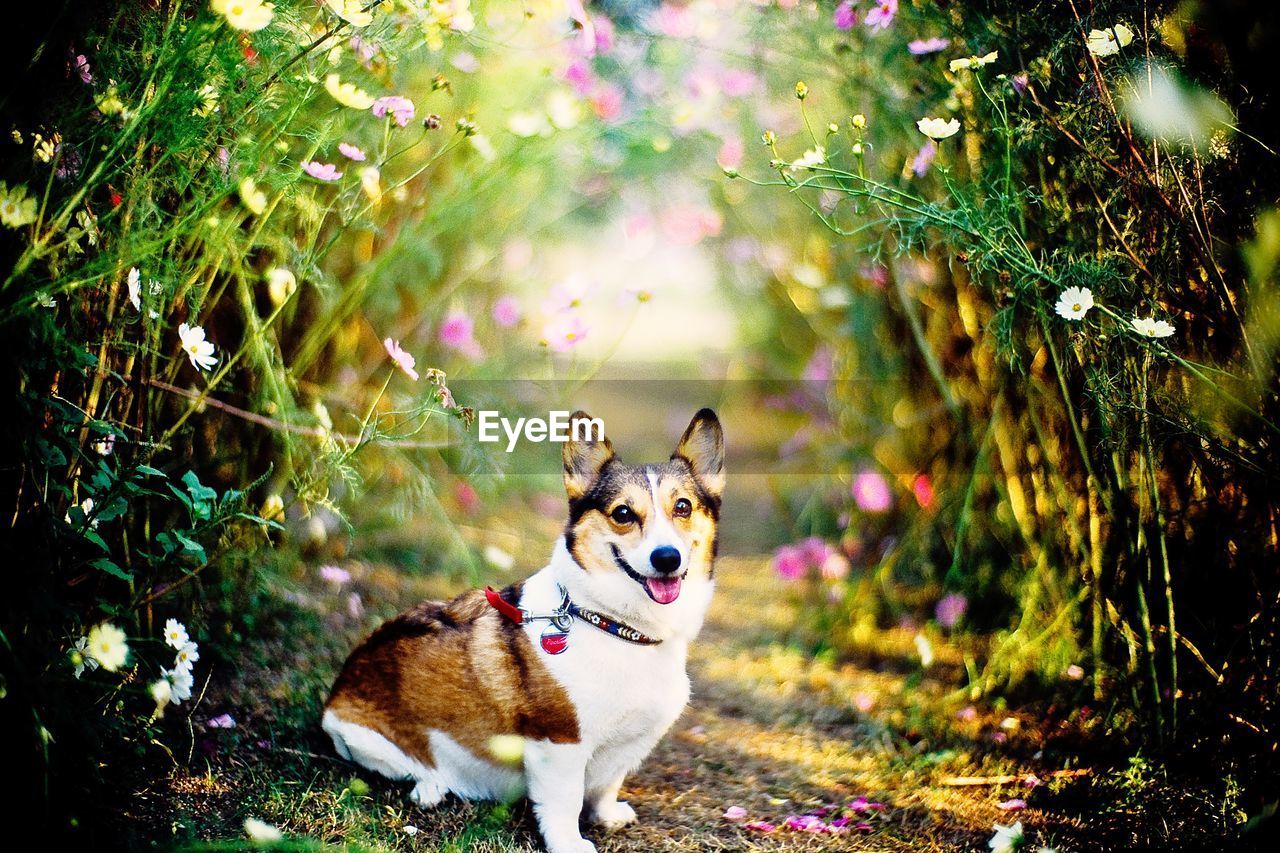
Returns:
<point x="556" y="775"/>
<point x="606" y="809"/>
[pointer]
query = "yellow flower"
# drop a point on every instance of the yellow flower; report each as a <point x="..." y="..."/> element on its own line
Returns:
<point x="108" y="646"/>
<point x="371" y="183"/>
<point x="937" y="128"/>
<point x="43" y="148"/>
<point x="973" y="61"/>
<point x="109" y="103"/>
<point x="281" y="284"/>
<point x="246" y="15"/>
<point x="351" y="11"/>
<point x="16" y="209"/>
<point x="253" y="198"/>
<point x="443" y="15"/>
<point x="347" y="94"/>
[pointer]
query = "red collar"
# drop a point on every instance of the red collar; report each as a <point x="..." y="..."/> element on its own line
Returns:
<point x="563" y="617"/>
<point x="500" y="604"/>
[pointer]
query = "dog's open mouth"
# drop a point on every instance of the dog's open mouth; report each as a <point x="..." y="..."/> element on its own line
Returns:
<point x="662" y="590"/>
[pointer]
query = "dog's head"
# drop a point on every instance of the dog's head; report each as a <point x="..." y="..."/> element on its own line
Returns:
<point x="644" y="533"/>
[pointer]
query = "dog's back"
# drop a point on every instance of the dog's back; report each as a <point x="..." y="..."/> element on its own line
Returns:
<point x="440" y="676"/>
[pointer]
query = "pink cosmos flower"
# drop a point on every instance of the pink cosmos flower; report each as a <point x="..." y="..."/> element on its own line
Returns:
<point x="457" y="332"/>
<point x="606" y="102"/>
<point x="1012" y="805"/>
<point x="403" y="360"/>
<point x="789" y="562"/>
<point x="580" y="77"/>
<point x="401" y="108"/>
<point x="335" y="575"/>
<point x="222" y="721"/>
<point x="564" y="332"/>
<point x="924" y="158"/>
<point x="506" y="312"/>
<point x="820" y="367"/>
<point x="730" y="154"/>
<point x="1020" y="82"/>
<point x="815" y="550"/>
<point x="882" y="15"/>
<point x="80" y="65"/>
<point x="871" y="492"/>
<point x="365" y="51"/>
<point x="734" y="813"/>
<point x="845" y="16"/>
<point x="690" y="223"/>
<point x="805" y="823"/>
<point x="950" y="610"/>
<point x="922" y="489"/>
<point x="864" y="702"/>
<point x="759" y="826"/>
<point x="835" y="567"/>
<point x="735" y="82"/>
<point x="921" y="47"/>
<point x="672" y="21"/>
<point x="465" y="62"/>
<point x="351" y="152"/>
<point x="966" y="713"/>
<point x="321" y="171"/>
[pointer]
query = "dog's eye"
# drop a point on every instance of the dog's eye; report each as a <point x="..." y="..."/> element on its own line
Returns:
<point x="682" y="508"/>
<point x="622" y="514"/>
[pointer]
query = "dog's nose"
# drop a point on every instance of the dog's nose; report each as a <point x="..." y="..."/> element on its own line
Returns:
<point x="665" y="559"/>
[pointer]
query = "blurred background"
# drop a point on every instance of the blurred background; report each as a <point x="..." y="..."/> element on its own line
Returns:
<point x="386" y="216"/>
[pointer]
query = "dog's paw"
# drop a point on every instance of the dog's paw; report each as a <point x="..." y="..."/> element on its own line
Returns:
<point x="614" y="815"/>
<point x="427" y="793"/>
<point x="570" y="845"/>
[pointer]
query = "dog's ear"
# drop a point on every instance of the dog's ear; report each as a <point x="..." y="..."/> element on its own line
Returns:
<point x="585" y="453"/>
<point x="702" y="446"/>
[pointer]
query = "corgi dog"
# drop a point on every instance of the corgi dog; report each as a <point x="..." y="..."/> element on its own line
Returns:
<point x="583" y="662"/>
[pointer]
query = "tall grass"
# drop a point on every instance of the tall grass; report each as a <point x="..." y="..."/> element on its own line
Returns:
<point x="1107" y="496"/>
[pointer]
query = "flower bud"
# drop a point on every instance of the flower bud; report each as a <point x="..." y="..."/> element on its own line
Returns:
<point x="769" y="138"/>
<point x="802" y="91"/>
<point x="858" y="122"/>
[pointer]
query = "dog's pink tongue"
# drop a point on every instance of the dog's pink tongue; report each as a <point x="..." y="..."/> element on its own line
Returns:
<point x="663" y="590"/>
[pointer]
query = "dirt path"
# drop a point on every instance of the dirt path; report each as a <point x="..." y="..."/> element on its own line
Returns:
<point x="779" y="734"/>
<point x="770" y="729"/>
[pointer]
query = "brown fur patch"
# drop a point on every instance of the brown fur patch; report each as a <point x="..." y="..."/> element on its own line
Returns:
<point x="459" y="667"/>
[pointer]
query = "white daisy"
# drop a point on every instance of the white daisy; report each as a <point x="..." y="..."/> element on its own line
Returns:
<point x="181" y="682"/>
<point x="196" y="347"/>
<point x="938" y="128"/>
<point x="186" y="657"/>
<point x="83" y="659"/>
<point x="1007" y="838"/>
<point x="1074" y="303"/>
<point x="1151" y="327"/>
<point x="1109" y="41"/>
<point x="175" y="634"/>
<point x="135" y="289"/>
<point x="108" y="646"/>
